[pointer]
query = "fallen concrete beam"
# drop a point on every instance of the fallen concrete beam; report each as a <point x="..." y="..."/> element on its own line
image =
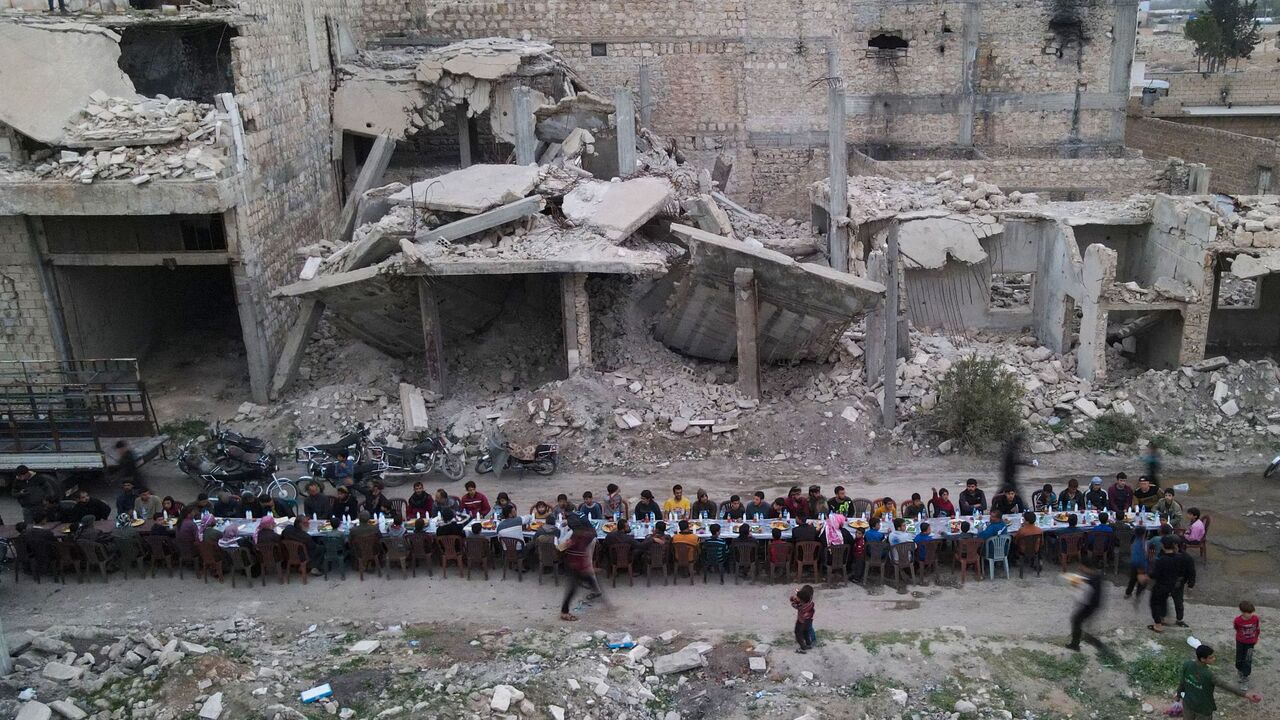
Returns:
<point x="375" y="166"/>
<point x="295" y="343"/>
<point x="326" y="282"/>
<point x="432" y="338"/>
<point x="471" y="190"/>
<point x="747" y="315"/>
<point x="803" y="308"/>
<point x="373" y="248"/>
<point x="414" y="407"/>
<point x="484" y="221"/>
<point x="617" y="209"/>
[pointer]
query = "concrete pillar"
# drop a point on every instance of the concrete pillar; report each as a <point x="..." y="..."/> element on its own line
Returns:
<point x="746" y="312"/>
<point x="889" y="407"/>
<point x="432" y="338"/>
<point x="464" y="136"/>
<point x="625" y="112"/>
<point x="646" y="96"/>
<point x="575" y="311"/>
<point x="968" y="71"/>
<point x="1098" y="273"/>
<point x="255" y="343"/>
<point x="1198" y="182"/>
<point x="295" y="345"/>
<point x="526" y="144"/>
<point x="838" y="164"/>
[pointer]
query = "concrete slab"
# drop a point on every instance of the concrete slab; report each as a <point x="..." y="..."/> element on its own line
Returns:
<point x="585" y="110"/>
<point x="372" y="106"/>
<point x="803" y="308"/>
<point x="62" y="64"/>
<point x="929" y="242"/>
<point x="617" y="209"/>
<point x="471" y="190"/>
<point x="1247" y="266"/>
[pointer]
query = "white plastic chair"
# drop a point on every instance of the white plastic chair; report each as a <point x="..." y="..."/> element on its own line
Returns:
<point x="996" y="551"/>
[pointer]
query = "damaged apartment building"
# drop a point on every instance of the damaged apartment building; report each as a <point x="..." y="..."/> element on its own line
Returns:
<point x="431" y="177"/>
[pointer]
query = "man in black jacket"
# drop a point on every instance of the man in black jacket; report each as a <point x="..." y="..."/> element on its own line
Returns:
<point x="971" y="498"/>
<point x="34" y="490"/>
<point x="297" y="532"/>
<point x="344" y="504"/>
<point x="1096" y="498"/>
<point x="86" y="505"/>
<point x="1171" y="572"/>
<point x="1090" y="603"/>
<point x="316" y="504"/>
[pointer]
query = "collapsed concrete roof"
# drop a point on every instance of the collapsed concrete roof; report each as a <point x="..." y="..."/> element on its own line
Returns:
<point x="927" y="239"/>
<point x="803" y="308"/>
<point x="617" y="209"/>
<point x="52" y="68"/>
<point x="471" y="190"/>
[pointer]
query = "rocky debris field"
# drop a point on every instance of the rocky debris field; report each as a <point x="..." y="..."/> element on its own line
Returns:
<point x="238" y="668"/>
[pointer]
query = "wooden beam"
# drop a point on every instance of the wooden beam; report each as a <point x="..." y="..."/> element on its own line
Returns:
<point x="746" y="313"/>
<point x="295" y="343"/>
<point x="432" y="339"/>
<point x="375" y="166"/>
<point x="139" y="259"/>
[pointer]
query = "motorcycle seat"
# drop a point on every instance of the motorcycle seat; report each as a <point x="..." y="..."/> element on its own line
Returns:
<point x="240" y="455"/>
<point x="523" y="452"/>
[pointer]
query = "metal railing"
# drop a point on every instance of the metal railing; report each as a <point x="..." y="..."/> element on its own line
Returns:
<point x="53" y="406"/>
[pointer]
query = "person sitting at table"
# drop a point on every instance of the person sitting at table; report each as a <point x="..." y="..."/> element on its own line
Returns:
<point x="677" y="505"/>
<point x="777" y="509"/>
<point x="647" y="507"/>
<point x="345" y="505"/>
<point x="731" y="509"/>
<point x="657" y="537"/>
<point x="835" y="531"/>
<point x="316" y="504"/>
<point x="249" y="504"/>
<point x="230" y="538"/>
<point x="941" y="502"/>
<point x="86" y="505"/>
<point x="1046" y="500"/>
<point x="873" y="534"/>
<point x="966" y="531"/>
<point x="1096" y="498"/>
<point x="1169" y="509"/>
<point x="1196" y="529"/>
<point x="614" y="504"/>
<point x="363" y="528"/>
<point x="450" y="525"/>
<point x="127" y="498"/>
<point x="589" y="508"/>
<point x="1146" y="495"/>
<point x="1104" y="523"/>
<point x="1007" y="503"/>
<point x="1027" y="529"/>
<point x="684" y="535"/>
<point x="276" y="507"/>
<point x="503" y="500"/>
<point x="1071" y="498"/>
<point x="266" y="528"/>
<point x="912" y="508"/>
<point x="997" y="526"/>
<point x="796" y="504"/>
<point x="884" y="508"/>
<point x="621" y="535"/>
<point x="758" y="506"/>
<point x="715" y="551"/>
<point x="474" y="530"/>
<point x="186" y="530"/>
<point x="900" y="534"/>
<point x="147" y="505"/>
<point x="170" y="507"/>
<point x="972" y="499"/>
<point x="473" y="502"/>
<point x="779" y="549"/>
<point x="297" y="532"/>
<point x="540" y="511"/>
<point x="840" y="503"/>
<point x="511" y="525"/>
<point x="444" y="500"/>
<point x="375" y="503"/>
<point x="419" y="504"/>
<point x="1119" y="495"/>
<point x="924" y="535"/>
<point x="703" y="507"/>
<point x="804" y="532"/>
<point x="817" y="502"/>
<point x="202" y="503"/>
<point x="86" y="530"/>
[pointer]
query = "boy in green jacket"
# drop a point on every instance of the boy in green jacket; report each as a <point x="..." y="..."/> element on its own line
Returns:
<point x="1197" y="684"/>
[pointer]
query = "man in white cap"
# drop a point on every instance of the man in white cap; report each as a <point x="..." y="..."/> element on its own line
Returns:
<point x="1096" y="498"/>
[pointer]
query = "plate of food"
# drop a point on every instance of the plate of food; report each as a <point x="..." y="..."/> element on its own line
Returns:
<point x="609" y="526"/>
<point x="488" y="524"/>
<point x="859" y="524"/>
<point x="536" y="525"/>
<point x="1062" y="517"/>
<point x="757" y="529"/>
<point x="695" y="526"/>
<point x="138" y="523"/>
<point x="779" y="525"/>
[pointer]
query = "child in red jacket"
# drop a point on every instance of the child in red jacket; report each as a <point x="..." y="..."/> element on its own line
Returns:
<point x="802" y="601"/>
<point x="1248" y="627"/>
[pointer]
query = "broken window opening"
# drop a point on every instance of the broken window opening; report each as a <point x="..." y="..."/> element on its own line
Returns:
<point x="192" y="62"/>
<point x="887" y="45"/>
<point x="1067" y="23"/>
<point x="1237" y="293"/>
<point x="125" y="234"/>
<point x="1011" y="291"/>
<point x="599" y="49"/>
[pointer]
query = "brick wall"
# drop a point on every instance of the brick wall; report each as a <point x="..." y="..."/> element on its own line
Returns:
<point x="24" y="317"/>
<point x="1101" y="177"/>
<point x="1234" y="160"/>
<point x="1192" y="88"/>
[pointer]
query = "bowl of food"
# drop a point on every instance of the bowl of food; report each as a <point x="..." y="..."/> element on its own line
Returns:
<point x="488" y="524"/>
<point x="1062" y="517"/>
<point x="779" y="525"/>
<point x="609" y="526"/>
<point x="859" y="524"/>
<point x="757" y="529"/>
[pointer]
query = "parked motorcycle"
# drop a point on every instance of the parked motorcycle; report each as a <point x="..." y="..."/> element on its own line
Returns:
<point x="500" y="454"/>
<point x="352" y="443"/>
<point x="1272" y="468"/>
<point x="234" y="471"/>
<point x="230" y="438"/>
<point x="427" y="456"/>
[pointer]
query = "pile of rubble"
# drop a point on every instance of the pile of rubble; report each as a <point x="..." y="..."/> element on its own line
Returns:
<point x="1249" y="221"/>
<point x="879" y="198"/>
<point x="141" y="140"/>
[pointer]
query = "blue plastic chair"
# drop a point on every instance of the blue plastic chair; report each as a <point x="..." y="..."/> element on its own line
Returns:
<point x="996" y="551"/>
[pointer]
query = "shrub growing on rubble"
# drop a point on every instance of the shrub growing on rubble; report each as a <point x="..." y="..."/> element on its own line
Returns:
<point x="1110" y="430"/>
<point x="978" y="402"/>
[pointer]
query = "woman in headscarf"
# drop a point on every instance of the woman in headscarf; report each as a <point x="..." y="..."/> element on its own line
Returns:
<point x="207" y="526"/>
<point x="266" y="526"/>
<point x="187" y="531"/>
<point x="230" y="539"/>
<point x="170" y="506"/>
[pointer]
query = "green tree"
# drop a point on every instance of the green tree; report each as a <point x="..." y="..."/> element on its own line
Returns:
<point x="978" y="402"/>
<point x="1226" y="30"/>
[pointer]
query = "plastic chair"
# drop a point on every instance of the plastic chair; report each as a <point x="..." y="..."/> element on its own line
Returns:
<point x="656" y="561"/>
<point x="927" y="552"/>
<point x="684" y="556"/>
<point x="295" y="557"/>
<point x="1098" y="545"/>
<point x="364" y="555"/>
<point x="1069" y="548"/>
<point x="335" y="554"/>
<point x="161" y="551"/>
<point x="398" y="506"/>
<point x="95" y="556"/>
<point x="996" y="552"/>
<point x="744" y="560"/>
<point x="837" y="563"/>
<point x="969" y="555"/>
<point x="450" y="552"/>
<point x="395" y="549"/>
<point x="877" y="558"/>
<point x="512" y="557"/>
<point x="780" y="558"/>
<point x="211" y="557"/>
<point x="1203" y="543"/>
<point x="188" y="554"/>
<point x="902" y="557"/>
<point x="242" y="562"/>
<point x="806" y="557"/>
<point x="69" y="557"/>
<point x="861" y="506"/>
<point x="548" y="560"/>
<point x="420" y="545"/>
<point x="619" y="560"/>
<point x="270" y="558"/>
<point x="476" y="550"/>
<point x="1029" y="548"/>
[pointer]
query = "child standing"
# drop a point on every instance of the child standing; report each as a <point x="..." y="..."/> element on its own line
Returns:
<point x="802" y="601"/>
<point x="1137" y="565"/>
<point x="1248" y="628"/>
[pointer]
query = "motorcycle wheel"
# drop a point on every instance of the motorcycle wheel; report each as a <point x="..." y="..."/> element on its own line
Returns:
<point x="253" y="487"/>
<point x="1272" y="468"/>
<point x="214" y="489"/>
<point x="543" y="467"/>
<point x="484" y="466"/>
<point x="284" y="489"/>
<point x="395" y="479"/>
<point x="454" y="467"/>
